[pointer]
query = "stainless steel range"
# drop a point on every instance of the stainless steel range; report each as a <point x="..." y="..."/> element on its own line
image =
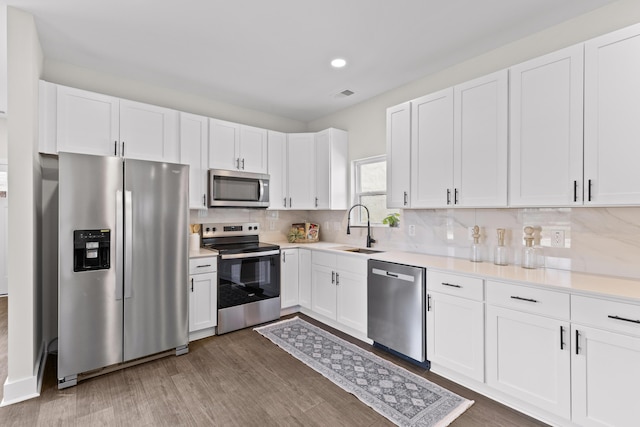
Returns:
<point x="248" y="275"/>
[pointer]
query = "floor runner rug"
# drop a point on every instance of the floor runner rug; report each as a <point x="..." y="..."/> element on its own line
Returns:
<point x="401" y="396"/>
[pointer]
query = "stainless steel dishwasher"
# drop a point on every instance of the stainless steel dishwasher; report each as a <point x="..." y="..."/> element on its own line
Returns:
<point x="396" y="308"/>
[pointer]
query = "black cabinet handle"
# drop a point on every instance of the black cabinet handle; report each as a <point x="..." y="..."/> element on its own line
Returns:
<point x="337" y="278"/>
<point x="577" y="341"/>
<point x="623" y="319"/>
<point x="122" y="151"/>
<point x="284" y="257"/>
<point x="455" y="196"/>
<point x="242" y="164"/>
<point x="524" y="299"/>
<point x="589" y="190"/>
<point x="333" y="277"/>
<point x="204" y="200"/>
<point x="575" y="191"/>
<point x="448" y="196"/>
<point x="561" y="337"/>
<point x="192" y="284"/>
<point x="428" y="302"/>
<point x="405" y="199"/>
<point x="115" y="148"/>
<point x="290" y="205"/>
<point x="451" y="285"/>
<point x="316" y="202"/>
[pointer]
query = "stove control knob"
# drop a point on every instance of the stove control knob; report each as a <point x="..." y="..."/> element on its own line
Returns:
<point x="213" y="229"/>
<point x="207" y="229"/>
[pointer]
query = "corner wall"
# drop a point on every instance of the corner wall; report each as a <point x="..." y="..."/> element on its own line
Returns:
<point x="25" y="343"/>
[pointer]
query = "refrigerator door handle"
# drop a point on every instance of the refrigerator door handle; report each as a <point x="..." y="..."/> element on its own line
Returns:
<point x="118" y="252"/>
<point x="128" y="244"/>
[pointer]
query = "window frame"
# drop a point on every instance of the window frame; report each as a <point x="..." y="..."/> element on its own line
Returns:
<point x="358" y="220"/>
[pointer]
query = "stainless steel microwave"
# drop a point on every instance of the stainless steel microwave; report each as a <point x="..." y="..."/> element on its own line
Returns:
<point x="235" y="189"/>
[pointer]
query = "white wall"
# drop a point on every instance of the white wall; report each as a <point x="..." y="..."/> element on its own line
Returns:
<point x="96" y="81"/>
<point x="3" y="138"/>
<point x="25" y="345"/>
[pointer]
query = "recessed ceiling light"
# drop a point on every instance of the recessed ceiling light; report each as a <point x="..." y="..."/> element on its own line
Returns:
<point x="338" y="63"/>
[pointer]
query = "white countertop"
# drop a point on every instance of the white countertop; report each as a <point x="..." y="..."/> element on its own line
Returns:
<point x="575" y="282"/>
<point x="203" y="252"/>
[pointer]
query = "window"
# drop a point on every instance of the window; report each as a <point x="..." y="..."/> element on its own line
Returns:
<point x="370" y="189"/>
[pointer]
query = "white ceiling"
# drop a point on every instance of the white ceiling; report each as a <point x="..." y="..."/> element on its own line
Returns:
<point x="273" y="55"/>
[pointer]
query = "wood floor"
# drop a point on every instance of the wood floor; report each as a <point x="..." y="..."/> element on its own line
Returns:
<point x="238" y="379"/>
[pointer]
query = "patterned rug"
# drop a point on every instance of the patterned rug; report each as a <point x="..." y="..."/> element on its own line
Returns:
<point x="404" y="398"/>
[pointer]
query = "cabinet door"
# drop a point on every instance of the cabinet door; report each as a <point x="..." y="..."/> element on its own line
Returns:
<point x="398" y="155"/>
<point x="203" y="306"/>
<point x="148" y="132"/>
<point x="87" y="122"/>
<point x="253" y="149"/>
<point x="224" y="138"/>
<point x="289" y="278"/>
<point x="194" y="140"/>
<point x="331" y="169"/>
<point x="352" y="300"/>
<point x="301" y="170"/>
<point x="323" y="290"/>
<point x="304" y="278"/>
<point x="612" y="128"/>
<point x="546" y="137"/>
<point x="480" y="141"/>
<point x="455" y="334"/>
<point x="528" y="357"/>
<point x="605" y="369"/>
<point x="277" y="155"/>
<point x="432" y="150"/>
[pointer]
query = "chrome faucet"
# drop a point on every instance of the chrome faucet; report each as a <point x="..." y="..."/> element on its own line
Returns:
<point x="369" y="239"/>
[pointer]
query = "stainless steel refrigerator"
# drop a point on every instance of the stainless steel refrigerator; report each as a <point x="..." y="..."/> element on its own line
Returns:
<point x="122" y="261"/>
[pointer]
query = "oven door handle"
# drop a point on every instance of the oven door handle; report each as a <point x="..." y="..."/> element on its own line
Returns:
<point x="250" y="255"/>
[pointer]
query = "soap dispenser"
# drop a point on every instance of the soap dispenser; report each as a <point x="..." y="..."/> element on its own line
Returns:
<point x="529" y="252"/>
<point x="500" y="253"/>
<point x="475" y="253"/>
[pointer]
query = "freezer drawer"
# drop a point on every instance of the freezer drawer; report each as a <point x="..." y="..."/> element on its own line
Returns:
<point x="396" y="308"/>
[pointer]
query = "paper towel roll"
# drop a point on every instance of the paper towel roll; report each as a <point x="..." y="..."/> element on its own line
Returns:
<point x="194" y="242"/>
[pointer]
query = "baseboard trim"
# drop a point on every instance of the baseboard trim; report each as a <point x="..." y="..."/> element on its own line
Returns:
<point x="26" y="388"/>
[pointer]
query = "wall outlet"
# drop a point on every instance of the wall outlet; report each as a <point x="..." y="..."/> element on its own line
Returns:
<point x="557" y="238"/>
<point x="412" y="230"/>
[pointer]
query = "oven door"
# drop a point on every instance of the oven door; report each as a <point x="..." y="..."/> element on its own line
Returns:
<point x="248" y="277"/>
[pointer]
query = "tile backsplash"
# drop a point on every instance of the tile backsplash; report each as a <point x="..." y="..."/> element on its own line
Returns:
<point x="596" y="240"/>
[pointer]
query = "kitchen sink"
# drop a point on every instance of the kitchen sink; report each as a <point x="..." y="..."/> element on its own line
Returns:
<point x="360" y="250"/>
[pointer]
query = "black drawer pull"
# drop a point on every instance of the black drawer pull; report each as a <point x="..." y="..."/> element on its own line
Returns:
<point x="524" y="299"/>
<point x="577" y="341"/>
<point x="451" y="285"/>
<point x="575" y="191"/>
<point x="203" y="266"/>
<point x="561" y="338"/>
<point x="623" y="319"/>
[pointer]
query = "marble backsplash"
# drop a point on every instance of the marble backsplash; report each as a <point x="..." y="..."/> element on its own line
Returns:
<point x="596" y="240"/>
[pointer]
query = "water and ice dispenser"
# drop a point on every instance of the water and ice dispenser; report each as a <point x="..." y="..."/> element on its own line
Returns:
<point x="91" y="250"/>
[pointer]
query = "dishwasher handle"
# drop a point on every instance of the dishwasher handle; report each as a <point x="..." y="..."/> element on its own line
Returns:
<point x="392" y="275"/>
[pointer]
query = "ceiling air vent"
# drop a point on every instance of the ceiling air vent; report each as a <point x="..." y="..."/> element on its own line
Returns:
<point x="344" y="93"/>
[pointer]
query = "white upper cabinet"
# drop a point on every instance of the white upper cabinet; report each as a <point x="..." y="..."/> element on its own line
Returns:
<point x="3" y="59"/>
<point x="87" y="122"/>
<point x="398" y="155"/>
<point x="92" y="123"/>
<point x="481" y="141"/>
<point x="301" y="167"/>
<point x="611" y="125"/>
<point x="331" y="169"/>
<point x="194" y="141"/>
<point x="432" y="150"/>
<point x="253" y="149"/>
<point x="546" y="138"/>
<point x="277" y="167"/>
<point x="148" y="132"/>
<point x="237" y="147"/>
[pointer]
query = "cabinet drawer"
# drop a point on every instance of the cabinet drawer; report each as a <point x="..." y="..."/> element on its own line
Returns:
<point x="453" y="284"/>
<point x="323" y="258"/>
<point x="611" y="315"/>
<point x="203" y="265"/>
<point x="532" y="300"/>
<point x="353" y="264"/>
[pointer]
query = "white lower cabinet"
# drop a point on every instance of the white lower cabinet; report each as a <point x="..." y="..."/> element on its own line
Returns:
<point x="304" y="278"/>
<point x="455" y="323"/>
<point x="289" y="278"/>
<point x="605" y="362"/>
<point x="339" y="289"/>
<point x="203" y="305"/>
<point x="528" y="353"/>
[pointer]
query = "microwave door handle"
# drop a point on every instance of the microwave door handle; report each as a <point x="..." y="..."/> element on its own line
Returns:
<point x="261" y="186"/>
